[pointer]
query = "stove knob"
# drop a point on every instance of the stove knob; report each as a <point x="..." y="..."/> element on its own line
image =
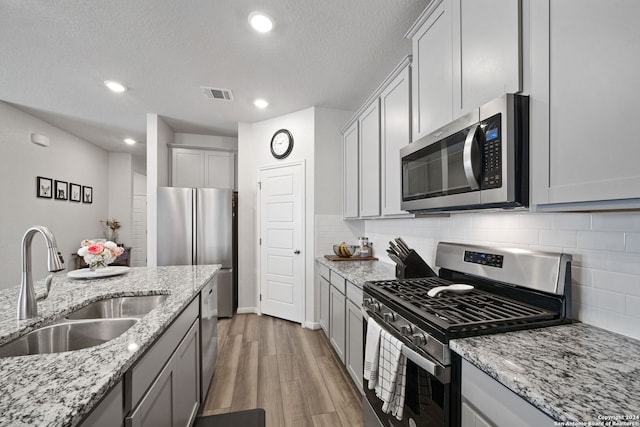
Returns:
<point x="375" y="307"/>
<point x="389" y="317"/>
<point x="406" y="330"/>
<point x="367" y="302"/>
<point x="419" y="339"/>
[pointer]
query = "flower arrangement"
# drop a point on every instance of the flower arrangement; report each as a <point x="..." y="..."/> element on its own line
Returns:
<point x="114" y="225"/>
<point x="99" y="254"/>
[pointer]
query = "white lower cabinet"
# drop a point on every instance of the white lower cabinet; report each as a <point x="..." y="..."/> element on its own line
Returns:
<point x="341" y="303"/>
<point x="354" y="356"/>
<point x="323" y="285"/>
<point x="108" y="413"/>
<point x="486" y="402"/>
<point x="174" y="396"/>
<point x="337" y="321"/>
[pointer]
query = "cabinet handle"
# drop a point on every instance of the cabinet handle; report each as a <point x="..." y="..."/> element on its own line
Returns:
<point x="297" y="251"/>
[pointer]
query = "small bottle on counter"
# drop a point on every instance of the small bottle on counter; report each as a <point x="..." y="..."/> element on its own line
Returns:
<point x="365" y="248"/>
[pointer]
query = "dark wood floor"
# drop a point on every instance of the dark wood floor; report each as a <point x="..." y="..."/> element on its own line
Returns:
<point x="291" y="372"/>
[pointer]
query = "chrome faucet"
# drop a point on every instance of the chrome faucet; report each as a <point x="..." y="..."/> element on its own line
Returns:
<point x="27" y="306"/>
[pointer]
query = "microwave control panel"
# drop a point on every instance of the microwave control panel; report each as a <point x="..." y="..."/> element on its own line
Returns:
<point x="492" y="153"/>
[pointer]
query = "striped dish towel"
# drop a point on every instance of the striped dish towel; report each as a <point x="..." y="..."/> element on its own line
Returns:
<point x="392" y="375"/>
<point x="371" y="353"/>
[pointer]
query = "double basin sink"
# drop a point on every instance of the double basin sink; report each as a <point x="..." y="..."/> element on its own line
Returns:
<point x="94" y="324"/>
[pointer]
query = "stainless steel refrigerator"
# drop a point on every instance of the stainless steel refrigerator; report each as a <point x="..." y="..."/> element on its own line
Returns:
<point x="197" y="226"/>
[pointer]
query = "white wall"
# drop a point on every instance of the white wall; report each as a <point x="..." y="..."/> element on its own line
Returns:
<point x="605" y="249"/>
<point x="121" y="195"/>
<point x="253" y="152"/>
<point x="159" y="134"/>
<point x="68" y="158"/>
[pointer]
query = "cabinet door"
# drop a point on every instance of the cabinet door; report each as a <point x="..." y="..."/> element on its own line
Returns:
<point x="219" y="169"/>
<point x="186" y="379"/>
<point x="369" y="132"/>
<point x="432" y="71"/>
<point x="323" y="285"/>
<point x="471" y="418"/>
<point x="173" y="398"/>
<point x="354" y="357"/>
<point x="488" y="62"/>
<point x="395" y="133"/>
<point x="187" y="168"/>
<point x="337" y="321"/>
<point x="584" y="98"/>
<point x="351" y="174"/>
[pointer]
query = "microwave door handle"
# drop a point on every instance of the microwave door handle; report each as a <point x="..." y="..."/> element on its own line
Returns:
<point x="469" y="155"/>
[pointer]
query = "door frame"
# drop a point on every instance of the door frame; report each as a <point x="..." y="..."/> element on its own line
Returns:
<point x="303" y="245"/>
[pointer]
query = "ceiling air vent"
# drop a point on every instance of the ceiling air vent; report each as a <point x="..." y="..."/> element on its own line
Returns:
<point x="218" y="93"/>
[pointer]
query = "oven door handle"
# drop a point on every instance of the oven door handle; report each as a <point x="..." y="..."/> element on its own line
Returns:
<point x="471" y="158"/>
<point x="425" y="364"/>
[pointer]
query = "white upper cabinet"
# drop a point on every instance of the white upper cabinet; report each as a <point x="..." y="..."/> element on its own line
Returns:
<point x="187" y="168"/>
<point x="395" y="133"/>
<point x="369" y="132"/>
<point x="372" y="142"/>
<point x="351" y="164"/>
<point x="432" y="95"/>
<point x="487" y="56"/>
<point x="202" y="168"/>
<point x="465" y="53"/>
<point x="219" y="169"/>
<point x="584" y="102"/>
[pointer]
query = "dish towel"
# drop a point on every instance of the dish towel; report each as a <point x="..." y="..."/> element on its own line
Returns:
<point x="371" y="353"/>
<point x="392" y="375"/>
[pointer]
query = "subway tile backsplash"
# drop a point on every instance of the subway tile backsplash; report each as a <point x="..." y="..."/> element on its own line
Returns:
<point x="605" y="249"/>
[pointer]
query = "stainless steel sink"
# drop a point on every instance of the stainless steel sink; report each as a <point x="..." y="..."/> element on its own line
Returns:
<point x="67" y="336"/>
<point x="136" y="306"/>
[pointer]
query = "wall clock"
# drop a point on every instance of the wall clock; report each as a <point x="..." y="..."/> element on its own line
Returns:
<point x="281" y="144"/>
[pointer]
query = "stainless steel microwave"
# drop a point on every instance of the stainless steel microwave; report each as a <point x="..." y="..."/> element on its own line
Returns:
<point x="479" y="161"/>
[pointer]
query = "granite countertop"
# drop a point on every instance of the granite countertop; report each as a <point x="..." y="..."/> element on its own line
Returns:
<point x="358" y="272"/>
<point x="573" y="373"/>
<point x="59" y="389"/>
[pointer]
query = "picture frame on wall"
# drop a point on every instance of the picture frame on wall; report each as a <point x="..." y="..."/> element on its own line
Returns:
<point x="87" y="194"/>
<point x="75" y="192"/>
<point x="61" y="190"/>
<point x="44" y="187"/>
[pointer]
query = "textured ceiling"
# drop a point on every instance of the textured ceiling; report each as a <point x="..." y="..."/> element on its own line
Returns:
<point x="54" y="56"/>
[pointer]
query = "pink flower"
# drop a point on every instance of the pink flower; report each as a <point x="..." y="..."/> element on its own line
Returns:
<point x="95" y="249"/>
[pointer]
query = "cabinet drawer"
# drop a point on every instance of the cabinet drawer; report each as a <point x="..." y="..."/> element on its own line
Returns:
<point x="142" y="375"/>
<point x="338" y="282"/>
<point x="323" y="270"/>
<point x="354" y="294"/>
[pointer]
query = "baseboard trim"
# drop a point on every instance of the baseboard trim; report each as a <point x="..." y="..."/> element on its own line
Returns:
<point x="311" y="325"/>
<point x="246" y="310"/>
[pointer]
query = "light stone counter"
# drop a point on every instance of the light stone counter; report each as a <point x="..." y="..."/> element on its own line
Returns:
<point x="358" y="272"/>
<point x="574" y="373"/>
<point x="60" y="389"/>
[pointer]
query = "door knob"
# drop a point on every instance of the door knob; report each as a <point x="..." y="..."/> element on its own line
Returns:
<point x="297" y="251"/>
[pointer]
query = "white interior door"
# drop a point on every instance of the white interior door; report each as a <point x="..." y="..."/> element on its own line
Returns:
<point x="282" y="228"/>
<point x="139" y="229"/>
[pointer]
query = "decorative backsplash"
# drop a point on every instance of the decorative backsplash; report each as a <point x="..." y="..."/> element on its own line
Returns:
<point x="605" y="249"/>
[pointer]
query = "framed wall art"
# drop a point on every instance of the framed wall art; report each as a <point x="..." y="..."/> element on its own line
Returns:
<point x="44" y="187"/>
<point x="75" y="192"/>
<point x="87" y="194"/>
<point x="61" y="188"/>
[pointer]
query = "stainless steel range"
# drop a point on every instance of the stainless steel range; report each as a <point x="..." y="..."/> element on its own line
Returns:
<point x="510" y="289"/>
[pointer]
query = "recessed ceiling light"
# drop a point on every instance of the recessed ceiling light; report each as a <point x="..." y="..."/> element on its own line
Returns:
<point x="115" y="86"/>
<point x="130" y="141"/>
<point x="260" y="103"/>
<point x="260" y="22"/>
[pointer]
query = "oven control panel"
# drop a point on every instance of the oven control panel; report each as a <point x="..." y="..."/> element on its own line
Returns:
<point x="484" y="258"/>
